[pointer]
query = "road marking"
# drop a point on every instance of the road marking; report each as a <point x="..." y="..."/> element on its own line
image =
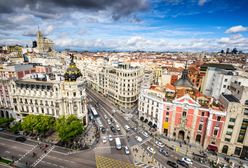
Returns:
<point x="27" y="153"/>
<point x="42" y="157"/>
<point x="61" y="159"/>
<point x="7" y="151"/>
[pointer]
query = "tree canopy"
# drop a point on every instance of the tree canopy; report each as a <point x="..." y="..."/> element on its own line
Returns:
<point x="68" y="127"/>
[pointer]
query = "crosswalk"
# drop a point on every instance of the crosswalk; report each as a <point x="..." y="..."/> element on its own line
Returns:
<point x="143" y="165"/>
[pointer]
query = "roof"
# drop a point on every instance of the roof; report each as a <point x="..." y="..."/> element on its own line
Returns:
<point x="221" y="66"/>
<point x="231" y="98"/>
<point x="184" y="81"/>
<point x="170" y="87"/>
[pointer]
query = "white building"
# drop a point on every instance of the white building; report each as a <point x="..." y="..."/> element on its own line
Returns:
<point x="121" y="84"/>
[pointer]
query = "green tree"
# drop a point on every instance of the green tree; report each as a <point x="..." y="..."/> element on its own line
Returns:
<point x="29" y="123"/>
<point x="16" y="128"/>
<point x="44" y="123"/>
<point x="6" y="120"/>
<point x="68" y="127"/>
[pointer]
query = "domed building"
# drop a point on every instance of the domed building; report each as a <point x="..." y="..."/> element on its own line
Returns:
<point x="72" y="72"/>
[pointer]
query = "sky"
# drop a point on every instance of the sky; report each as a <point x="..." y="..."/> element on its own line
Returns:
<point x="127" y="25"/>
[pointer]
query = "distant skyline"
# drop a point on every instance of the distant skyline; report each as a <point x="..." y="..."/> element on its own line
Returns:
<point x="128" y="25"/>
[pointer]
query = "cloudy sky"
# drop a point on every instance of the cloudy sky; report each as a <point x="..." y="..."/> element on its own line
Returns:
<point x="152" y="25"/>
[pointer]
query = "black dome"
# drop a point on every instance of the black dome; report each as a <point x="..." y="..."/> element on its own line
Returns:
<point x="72" y="72"/>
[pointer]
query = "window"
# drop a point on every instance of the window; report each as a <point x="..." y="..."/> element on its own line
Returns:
<point x="225" y="80"/>
<point x="230" y="126"/>
<point x="202" y="114"/>
<point x="167" y="113"/>
<point x="246" y="111"/>
<point x="246" y="102"/>
<point x="237" y="151"/>
<point x="218" y="118"/>
<point x="227" y="139"/>
<point x="232" y="120"/>
<point x="224" y="86"/>
<point x="74" y="94"/>
<point x="184" y="114"/>
<point x="200" y="127"/>
<point x="215" y="132"/>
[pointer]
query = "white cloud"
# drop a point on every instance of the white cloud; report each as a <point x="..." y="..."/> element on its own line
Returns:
<point x="202" y="2"/>
<point x="236" y="29"/>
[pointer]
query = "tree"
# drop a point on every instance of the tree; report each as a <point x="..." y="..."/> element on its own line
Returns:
<point x="44" y="123"/>
<point x="29" y="123"/>
<point x="68" y="127"/>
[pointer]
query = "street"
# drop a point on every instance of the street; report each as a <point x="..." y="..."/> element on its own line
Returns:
<point x="107" y="108"/>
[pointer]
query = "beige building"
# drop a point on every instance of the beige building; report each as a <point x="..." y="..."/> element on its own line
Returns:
<point x="234" y="139"/>
<point x="120" y="83"/>
<point x="39" y="95"/>
<point x="44" y="44"/>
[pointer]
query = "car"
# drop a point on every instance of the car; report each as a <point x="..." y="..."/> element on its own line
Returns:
<point x="182" y="163"/>
<point x="163" y="152"/>
<point x="145" y="134"/>
<point x="104" y="139"/>
<point x="187" y="160"/>
<point x="118" y="127"/>
<point x="105" y="116"/>
<point x="160" y="144"/>
<point x="150" y="149"/>
<point x="172" y="164"/>
<point x="1" y="129"/>
<point x="110" y="138"/>
<point x="138" y="138"/>
<point x="127" y="128"/>
<point x="103" y="129"/>
<point x="113" y="129"/>
<point x="109" y="122"/>
<point x="20" y="139"/>
<point x="127" y="152"/>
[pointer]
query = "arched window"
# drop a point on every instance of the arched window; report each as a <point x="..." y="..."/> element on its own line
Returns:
<point x="225" y="149"/>
<point x="246" y="102"/>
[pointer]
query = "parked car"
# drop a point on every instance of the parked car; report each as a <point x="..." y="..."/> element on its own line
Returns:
<point x="113" y="129"/>
<point x="145" y="134"/>
<point x="163" y="152"/>
<point x="187" y="160"/>
<point x="103" y="130"/>
<point x="172" y="164"/>
<point x="105" y="116"/>
<point x="127" y="128"/>
<point x="20" y="139"/>
<point x="110" y="138"/>
<point x="109" y="122"/>
<point x="138" y="138"/>
<point x="118" y="127"/>
<point x="150" y="149"/>
<point x="104" y="139"/>
<point x="160" y="144"/>
<point x="182" y="163"/>
<point x="127" y="152"/>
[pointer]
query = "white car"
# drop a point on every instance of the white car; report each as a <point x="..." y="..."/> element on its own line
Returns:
<point x="104" y="139"/>
<point x="150" y="149"/>
<point x="145" y="134"/>
<point x="187" y="160"/>
<point x="109" y="122"/>
<point x="127" y="152"/>
<point x="105" y="116"/>
<point x="138" y="138"/>
<point x="160" y="144"/>
<point x="110" y="138"/>
<point x="118" y="127"/>
<point x="127" y="127"/>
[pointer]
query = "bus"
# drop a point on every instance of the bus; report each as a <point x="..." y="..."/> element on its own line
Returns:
<point x="118" y="143"/>
<point x="93" y="111"/>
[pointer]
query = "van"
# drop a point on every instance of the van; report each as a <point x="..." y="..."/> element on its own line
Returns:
<point x="118" y="143"/>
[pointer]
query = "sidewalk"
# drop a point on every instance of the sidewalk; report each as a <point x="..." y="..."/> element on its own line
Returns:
<point x="142" y="158"/>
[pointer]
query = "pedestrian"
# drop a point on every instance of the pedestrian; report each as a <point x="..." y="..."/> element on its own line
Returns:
<point x="45" y="151"/>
